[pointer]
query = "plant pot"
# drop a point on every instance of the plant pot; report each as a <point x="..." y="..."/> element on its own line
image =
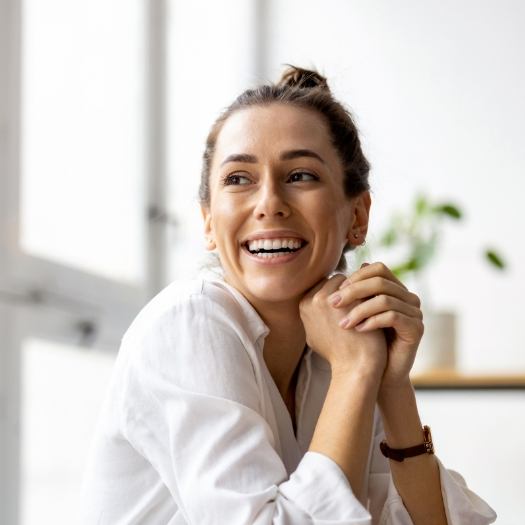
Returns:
<point x="437" y="349"/>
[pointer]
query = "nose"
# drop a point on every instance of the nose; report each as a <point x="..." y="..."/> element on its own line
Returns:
<point x="271" y="200"/>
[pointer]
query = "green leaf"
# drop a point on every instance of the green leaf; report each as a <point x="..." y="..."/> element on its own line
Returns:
<point x="412" y="265"/>
<point x="423" y="252"/>
<point x="389" y="237"/>
<point x="448" y="209"/>
<point x="495" y="259"/>
<point x="421" y="204"/>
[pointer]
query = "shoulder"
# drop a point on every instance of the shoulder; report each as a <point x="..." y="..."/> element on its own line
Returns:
<point x="198" y="336"/>
<point x="200" y="303"/>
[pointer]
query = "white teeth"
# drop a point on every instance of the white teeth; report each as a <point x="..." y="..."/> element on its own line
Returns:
<point x="273" y="244"/>
<point x="270" y="255"/>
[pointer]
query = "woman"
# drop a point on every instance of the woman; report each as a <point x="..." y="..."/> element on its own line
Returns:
<point x="261" y="397"/>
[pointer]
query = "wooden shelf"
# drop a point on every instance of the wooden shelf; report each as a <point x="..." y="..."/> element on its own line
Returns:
<point x="456" y="380"/>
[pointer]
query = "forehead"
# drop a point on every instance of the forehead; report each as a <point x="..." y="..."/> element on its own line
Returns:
<point x="268" y="130"/>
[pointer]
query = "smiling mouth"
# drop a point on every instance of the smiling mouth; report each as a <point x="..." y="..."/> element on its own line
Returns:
<point x="271" y="252"/>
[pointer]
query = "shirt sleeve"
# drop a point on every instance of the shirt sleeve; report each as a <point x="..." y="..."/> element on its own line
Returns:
<point x="192" y="408"/>
<point x="462" y="505"/>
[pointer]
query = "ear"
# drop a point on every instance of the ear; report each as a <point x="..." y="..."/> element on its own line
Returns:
<point x="208" y="228"/>
<point x="359" y="220"/>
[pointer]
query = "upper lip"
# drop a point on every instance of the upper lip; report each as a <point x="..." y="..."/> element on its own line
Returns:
<point x="273" y="234"/>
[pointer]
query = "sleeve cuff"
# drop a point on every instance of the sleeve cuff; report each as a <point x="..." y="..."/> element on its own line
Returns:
<point x="320" y="488"/>
<point x="461" y="504"/>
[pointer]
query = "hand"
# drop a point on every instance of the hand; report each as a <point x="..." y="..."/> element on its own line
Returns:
<point x="346" y="350"/>
<point x="387" y="304"/>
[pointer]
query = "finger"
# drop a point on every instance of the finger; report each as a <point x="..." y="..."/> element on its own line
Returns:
<point x="378" y="305"/>
<point x="371" y="270"/>
<point x="369" y="288"/>
<point x="326" y="285"/>
<point x="407" y="328"/>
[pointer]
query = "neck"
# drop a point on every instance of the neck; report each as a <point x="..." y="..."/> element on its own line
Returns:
<point x="284" y="345"/>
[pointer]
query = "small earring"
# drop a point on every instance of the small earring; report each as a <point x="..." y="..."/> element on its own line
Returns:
<point x="356" y="236"/>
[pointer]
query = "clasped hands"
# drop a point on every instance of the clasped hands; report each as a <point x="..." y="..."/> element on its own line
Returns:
<point x="368" y="320"/>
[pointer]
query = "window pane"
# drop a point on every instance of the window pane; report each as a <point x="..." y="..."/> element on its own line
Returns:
<point x="62" y="394"/>
<point x="82" y="134"/>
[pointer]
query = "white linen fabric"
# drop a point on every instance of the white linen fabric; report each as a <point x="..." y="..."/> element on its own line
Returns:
<point x="193" y="430"/>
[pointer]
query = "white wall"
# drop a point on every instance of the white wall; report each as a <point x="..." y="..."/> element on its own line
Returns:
<point x="480" y="435"/>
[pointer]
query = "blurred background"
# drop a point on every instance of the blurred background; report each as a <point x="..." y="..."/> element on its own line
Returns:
<point x="104" y="109"/>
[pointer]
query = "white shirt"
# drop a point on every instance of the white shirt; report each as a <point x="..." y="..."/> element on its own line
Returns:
<point x="194" y="431"/>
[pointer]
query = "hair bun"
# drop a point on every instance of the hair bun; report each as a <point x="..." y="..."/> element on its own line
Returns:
<point x="302" y="78"/>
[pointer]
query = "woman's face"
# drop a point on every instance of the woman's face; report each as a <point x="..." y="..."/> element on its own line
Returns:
<point x="276" y="184"/>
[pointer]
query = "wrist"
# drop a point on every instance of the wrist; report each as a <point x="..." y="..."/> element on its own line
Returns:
<point x="353" y="372"/>
<point x="399" y="413"/>
<point x="389" y="389"/>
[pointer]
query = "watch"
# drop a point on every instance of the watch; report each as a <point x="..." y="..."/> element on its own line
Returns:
<point x="399" y="454"/>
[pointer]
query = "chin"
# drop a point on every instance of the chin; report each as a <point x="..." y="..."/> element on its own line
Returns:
<point x="271" y="289"/>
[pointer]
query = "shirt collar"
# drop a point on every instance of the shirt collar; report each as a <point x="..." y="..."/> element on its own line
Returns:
<point x="257" y="326"/>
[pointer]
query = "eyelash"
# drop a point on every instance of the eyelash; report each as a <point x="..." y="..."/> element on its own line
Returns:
<point x="227" y="179"/>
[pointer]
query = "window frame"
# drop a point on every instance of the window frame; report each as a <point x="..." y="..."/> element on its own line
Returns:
<point x="45" y="299"/>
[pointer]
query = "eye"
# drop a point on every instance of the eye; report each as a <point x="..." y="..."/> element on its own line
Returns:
<point x="235" y="179"/>
<point x="299" y="176"/>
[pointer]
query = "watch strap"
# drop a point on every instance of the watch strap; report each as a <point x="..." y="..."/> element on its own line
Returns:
<point x="399" y="454"/>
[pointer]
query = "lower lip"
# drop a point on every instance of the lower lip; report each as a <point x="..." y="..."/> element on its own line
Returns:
<point x="273" y="260"/>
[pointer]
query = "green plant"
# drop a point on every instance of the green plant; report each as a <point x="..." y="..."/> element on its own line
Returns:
<point x="418" y="231"/>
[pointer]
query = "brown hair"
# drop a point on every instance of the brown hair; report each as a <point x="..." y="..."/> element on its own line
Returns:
<point x="304" y="89"/>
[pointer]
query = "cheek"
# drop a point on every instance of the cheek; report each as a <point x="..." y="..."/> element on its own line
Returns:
<point x="227" y="217"/>
<point x="332" y="226"/>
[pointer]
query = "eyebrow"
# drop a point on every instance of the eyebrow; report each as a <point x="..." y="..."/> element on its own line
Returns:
<point x="287" y="155"/>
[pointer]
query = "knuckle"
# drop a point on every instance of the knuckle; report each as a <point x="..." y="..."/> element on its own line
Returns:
<point x="355" y="312"/>
<point x="415" y="298"/>
<point x="318" y="299"/>
<point x="384" y="282"/>
<point x="419" y="328"/>
<point x="338" y="278"/>
<point x="381" y="266"/>
<point x="377" y="281"/>
<point x="393" y="316"/>
<point x="384" y="300"/>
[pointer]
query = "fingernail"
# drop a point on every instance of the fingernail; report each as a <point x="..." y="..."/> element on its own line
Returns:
<point x="335" y="299"/>
<point x="365" y="264"/>
<point x="343" y="323"/>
